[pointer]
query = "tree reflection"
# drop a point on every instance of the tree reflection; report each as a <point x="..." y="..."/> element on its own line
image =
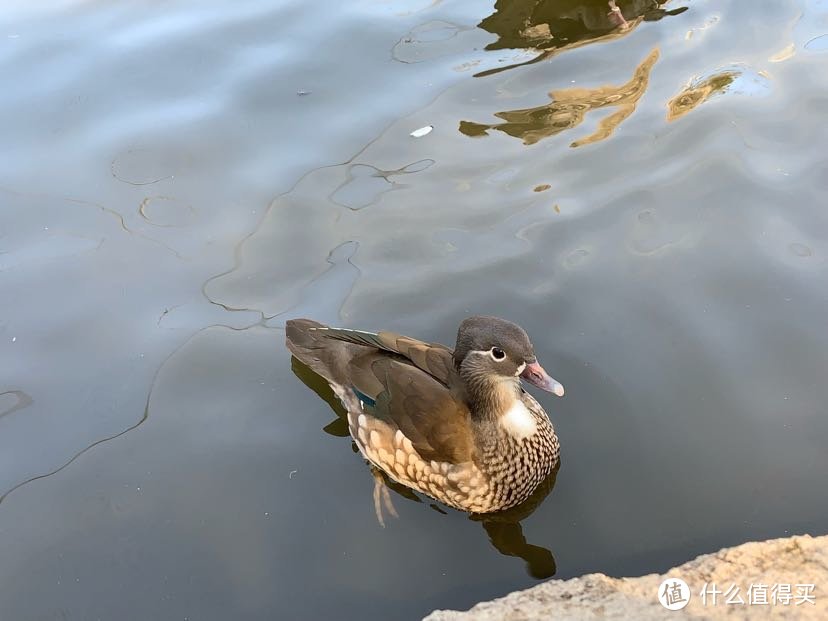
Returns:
<point x="568" y="108"/>
<point x="698" y="92"/>
<point x="551" y="26"/>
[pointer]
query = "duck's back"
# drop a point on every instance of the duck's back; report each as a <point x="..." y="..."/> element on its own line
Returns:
<point x="404" y="420"/>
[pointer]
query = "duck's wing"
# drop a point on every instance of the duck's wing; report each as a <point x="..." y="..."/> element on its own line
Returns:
<point x="433" y="358"/>
<point x="406" y="398"/>
<point x="397" y="382"/>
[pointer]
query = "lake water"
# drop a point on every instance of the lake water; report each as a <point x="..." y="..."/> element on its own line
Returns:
<point x="645" y="195"/>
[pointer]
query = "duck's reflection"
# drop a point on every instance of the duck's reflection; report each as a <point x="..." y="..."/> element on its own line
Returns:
<point x="568" y="108"/>
<point x="506" y="533"/>
<point x="503" y="528"/>
<point x="554" y="25"/>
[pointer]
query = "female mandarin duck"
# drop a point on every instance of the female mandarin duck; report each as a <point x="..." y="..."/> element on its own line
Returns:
<point x="456" y="426"/>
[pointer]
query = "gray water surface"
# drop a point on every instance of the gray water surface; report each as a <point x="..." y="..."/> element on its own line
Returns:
<point x="646" y="199"/>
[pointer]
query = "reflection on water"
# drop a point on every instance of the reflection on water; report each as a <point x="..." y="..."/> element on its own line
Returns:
<point x="568" y="109"/>
<point x="818" y="44"/>
<point x="554" y="25"/>
<point x="697" y="93"/>
<point x="12" y="401"/>
<point x="166" y="211"/>
<point x="366" y="183"/>
<point x="506" y="533"/>
<point x="736" y="80"/>
<point x="503" y="528"/>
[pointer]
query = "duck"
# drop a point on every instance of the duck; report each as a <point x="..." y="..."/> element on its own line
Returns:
<point x="454" y="424"/>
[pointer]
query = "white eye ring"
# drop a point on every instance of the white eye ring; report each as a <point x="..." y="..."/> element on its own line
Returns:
<point x="497" y="354"/>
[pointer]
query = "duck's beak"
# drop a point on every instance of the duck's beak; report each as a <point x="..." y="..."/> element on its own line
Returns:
<point x="534" y="374"/>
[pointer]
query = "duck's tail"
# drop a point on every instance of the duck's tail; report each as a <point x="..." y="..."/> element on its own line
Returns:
<point x="310" y="345"/>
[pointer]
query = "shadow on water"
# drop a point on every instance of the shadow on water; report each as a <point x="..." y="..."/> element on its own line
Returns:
<point x="503" y="528"/>
<point x="552" y="26"/>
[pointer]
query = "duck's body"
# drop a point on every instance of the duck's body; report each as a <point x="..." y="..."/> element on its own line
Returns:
<point x="455" y="425"/>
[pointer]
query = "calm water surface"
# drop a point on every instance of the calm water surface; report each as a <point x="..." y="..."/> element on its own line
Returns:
<point x="644" y="194"/>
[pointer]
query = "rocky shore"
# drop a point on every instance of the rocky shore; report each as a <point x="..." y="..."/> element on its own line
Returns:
<point x="790" y="574"/>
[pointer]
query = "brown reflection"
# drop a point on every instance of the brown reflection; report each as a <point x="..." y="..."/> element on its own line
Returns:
<point x="321" y="387"/>
<point x="569" y="107"/>
<point x="697" y="93"/>
<point x="503" y="528"/>
<point x="551" y="26"/>
<point x="506" y="533"/>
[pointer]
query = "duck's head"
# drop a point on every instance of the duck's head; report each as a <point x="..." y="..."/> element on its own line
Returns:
<point x="491" y="351"/>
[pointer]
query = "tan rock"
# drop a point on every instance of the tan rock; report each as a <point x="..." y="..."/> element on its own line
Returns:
<point x="800" y="560"/>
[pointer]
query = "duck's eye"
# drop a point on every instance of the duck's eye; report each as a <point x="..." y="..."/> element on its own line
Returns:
<point x="497" y="353"/>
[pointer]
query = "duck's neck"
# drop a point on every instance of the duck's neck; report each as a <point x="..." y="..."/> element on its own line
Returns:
<point x="490" y="398"/>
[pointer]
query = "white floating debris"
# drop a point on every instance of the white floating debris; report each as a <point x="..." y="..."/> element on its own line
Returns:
<point x="423" y="131"/>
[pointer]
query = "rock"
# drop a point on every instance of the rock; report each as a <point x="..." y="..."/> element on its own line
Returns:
<point x="800" y="560"/>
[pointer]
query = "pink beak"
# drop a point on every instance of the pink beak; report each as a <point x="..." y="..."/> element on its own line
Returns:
<point x="534" y="374"/>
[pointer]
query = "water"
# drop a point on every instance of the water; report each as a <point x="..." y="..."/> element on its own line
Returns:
<point x="176" y="183"/>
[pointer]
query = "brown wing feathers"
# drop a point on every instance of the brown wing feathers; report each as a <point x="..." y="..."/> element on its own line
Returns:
<point x="357" y="337"/>
<point x="422" y="408"/>
<point x="400" y="380"/>
<point x="434" y="359"/>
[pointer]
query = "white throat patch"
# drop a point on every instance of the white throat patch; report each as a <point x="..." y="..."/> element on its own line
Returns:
<point x="518" y="421"/>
